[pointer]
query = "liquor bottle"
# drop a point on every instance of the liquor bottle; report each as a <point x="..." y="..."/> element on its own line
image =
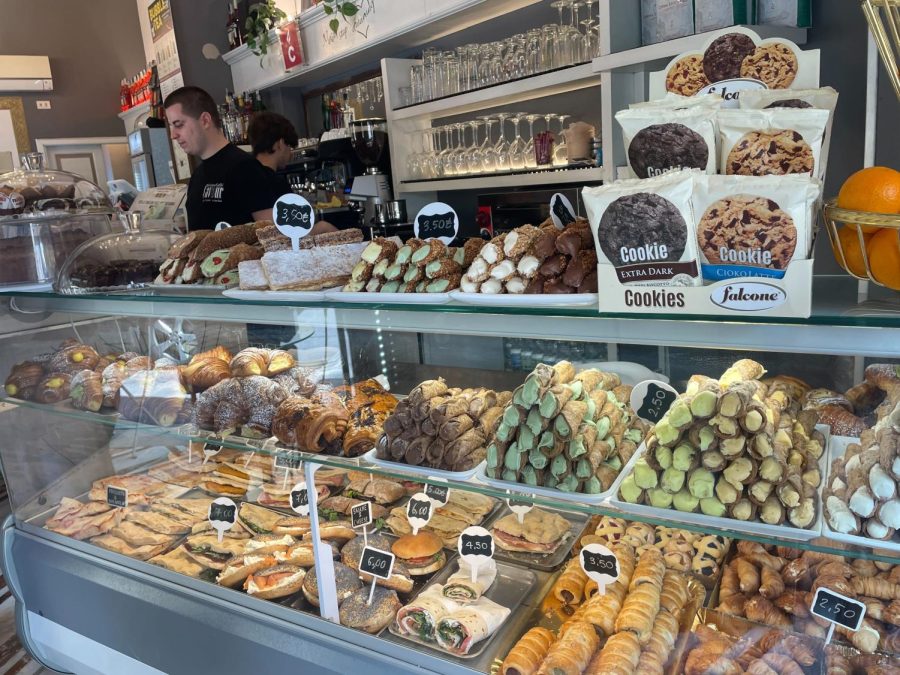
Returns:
<point x="347" y="112"/>
<point x="326" y="112"/>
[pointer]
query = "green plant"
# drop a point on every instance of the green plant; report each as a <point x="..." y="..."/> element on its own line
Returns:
<point x="261" y="18"/>
<point x="344" y="8"/>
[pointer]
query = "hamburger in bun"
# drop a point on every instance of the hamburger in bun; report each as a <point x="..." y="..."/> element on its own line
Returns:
<point x="422" y="553"/>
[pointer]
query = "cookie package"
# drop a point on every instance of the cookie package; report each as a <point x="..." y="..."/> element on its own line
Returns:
<point x="774" y="141"/>
<point x="662" y="140"/>
<point x="753" y="226"/>
<point x="737" y="60"/>
<point x="673" y="101"/>
<point x="644" y="229"/>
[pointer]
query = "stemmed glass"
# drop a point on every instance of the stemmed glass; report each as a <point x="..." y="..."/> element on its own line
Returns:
<point x="530" y="157"/>
<point x="445" y="155"/>
<point x="502" y="147"/>
<point x="460" y="157"/>
<point x="517" y="147"/>
<point x="474" y="152"/>
<point x="577" y="39"/>
<point x="561" y="153"/>
<point x="488" y="148"/>
<point x="563" y="49"/>
<point x="433" y="167"/>
<point x="413" y="165"/>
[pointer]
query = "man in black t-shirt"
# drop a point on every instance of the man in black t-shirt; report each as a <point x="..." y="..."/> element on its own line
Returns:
<point x="272" y="139"/>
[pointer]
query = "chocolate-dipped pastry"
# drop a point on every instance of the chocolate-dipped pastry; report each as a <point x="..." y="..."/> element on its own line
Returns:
<point x="582" y="263"/>
<point x="545" y="244"/>
<point x="570" y="242"/>
<point x="554" y="266"/>
<point x="536" y="285"/>
<point x="557" y="287"/>
<point x="589" y="284"/>
<point x="416" y="451"/>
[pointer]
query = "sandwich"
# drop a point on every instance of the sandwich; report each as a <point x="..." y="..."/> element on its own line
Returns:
<point x="138" y="535"/>
<point x="237" y="530"/>
<point x="257" y="519"/>
<point x="157" y="522"/>
<point x="83" y="521"/>
<point x="338" y="530"/>
<point x="238" y="473"/>
<point x="469" y="507"/>
<point x="193" y="463"/>
<point x="539" y="532"/>
<point x="341" y="506"/>
<point x="462" y="589"/>
<point x="399" y="581"/>
<point x="445" y="527"/>
<point x="207" y="550"/>
<point x="179" y="561"/>
<point x="269" y="543"/>
<point x="240" y="567"/>
<point x="422" y="553"/>
<point x="300" y="554"/>
<point x="346" y="581"/>
<point x="378" y="490"/>
<point x="196" y="509"/>
<point x="276" y="497"/>
<point x="332" y="477"/>
<point x="275" y="582"/>
<point x="118" y="545"/>
<point x="296" y="526"/>
<point x="356" y="612"/>
<point x="352" y="550"/>
<point x="223" y="487"/>
<point x="174" y="514"/>
<point x="173" y="474"/>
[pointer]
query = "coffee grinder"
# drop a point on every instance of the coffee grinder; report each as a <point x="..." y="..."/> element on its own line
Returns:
<point x="370" y="142"/>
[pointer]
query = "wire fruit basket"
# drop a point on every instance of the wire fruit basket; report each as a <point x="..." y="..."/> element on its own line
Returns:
<point x="854" y="257"/>
<point x="884" y="22"/>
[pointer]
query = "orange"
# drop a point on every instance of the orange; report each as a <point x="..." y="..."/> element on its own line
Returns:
<point x="852" y="250"/>
<point x="884" y="257"/>
<point x="875" y="189"/>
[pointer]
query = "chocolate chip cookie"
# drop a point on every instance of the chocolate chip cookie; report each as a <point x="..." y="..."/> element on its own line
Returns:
<point x="773" y="152"/>
<point x="660" y="148"/>
<point x="686" y="76"/>
<point x="790" y="103"/>
<point x="747" y="230"/>
<point x="723" y="58"/>
<point x="775" y="64"/>
<point x="638" y="222"/>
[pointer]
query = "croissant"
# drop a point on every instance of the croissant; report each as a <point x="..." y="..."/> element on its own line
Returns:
<point x="569" y="587"/>
<point x="793" y="602"/>
<point x="23" y="380"/>
<point x="298" y="381"/>
<point x="258" y="361"/>
<point x="207" y="368"/>
<point x="708" y="658"/>
<point x="761" y="610"/>
<point x="757" y="554"/>
<point x="572" y="652"/>
<point x="152" y="397"/>
<point x="639" y="611"/>
<point x="797" y="573"/>
<point x="649" y="570"/>
<point x="619" y="656"/>
<point x="311" y="423"/>
<point x="263" y="396"/>
<point x="730" y="584"/>
<point x="797" y="649"/>
<point x="748" y="575"/>
<point x="226" y="393"/>
<point x="526" y="656"/>
<point x="876" y="588"/>
<point x="73" y="358"/>
<point x="674" y="593"/>
<point x="890" y="614"/>
<point x="771" y="584"/>
<point x="53" y="388"/>
<point x="86" y="390"/>
<point x="782" y="664"/>
<point x="733" y="604"/>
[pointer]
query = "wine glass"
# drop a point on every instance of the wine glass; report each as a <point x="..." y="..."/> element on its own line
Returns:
<point x="488" y="148"/>
<point x="413" y="165"/>
<point x="446" y="165"/>
<point x="561" y="153"/>
<point x="502" y="147"/>
<point x="577" y="39"/>
<point x="530" y="157"/>
<point x="433" y="167"/>
<point x="474" y="152"/>
<point x="517" y="147"/>
<point x="460" y="158"/>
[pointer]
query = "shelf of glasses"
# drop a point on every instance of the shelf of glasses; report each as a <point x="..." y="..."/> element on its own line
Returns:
<point x="147" y="438"/>
<point x="530" y="177"/>
<point x="630" y="58"/>
<point x="523" y="89"/>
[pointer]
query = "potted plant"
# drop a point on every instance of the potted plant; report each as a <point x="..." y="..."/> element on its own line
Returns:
<point x="345" y="9"/>
<point x="261" y="18"/>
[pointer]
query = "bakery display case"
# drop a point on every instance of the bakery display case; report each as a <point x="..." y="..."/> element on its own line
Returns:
<point x="138" y="426"/>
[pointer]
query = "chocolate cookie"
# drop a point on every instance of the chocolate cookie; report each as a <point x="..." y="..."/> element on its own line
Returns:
<point x="775" y="64"/>
<point x="639" y="221"/>
<point x="686" y="76"/>
<point x="660" y="148"/>
<point x="723" y="58"/>
<point x="747" y="230"/>
<point x="775" y="152"/>
<point x="790" y="103"/>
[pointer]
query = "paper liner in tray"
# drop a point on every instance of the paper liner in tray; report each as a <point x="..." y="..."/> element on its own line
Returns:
<point x="837" y="446"/>
<point x="774" y="532"/>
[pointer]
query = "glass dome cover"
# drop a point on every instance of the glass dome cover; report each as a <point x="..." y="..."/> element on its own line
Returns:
<point x="126" y="260"/>
<point x="34" y="191"/>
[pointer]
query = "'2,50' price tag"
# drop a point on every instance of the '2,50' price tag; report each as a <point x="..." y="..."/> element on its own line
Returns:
<point x="838" y="610"/>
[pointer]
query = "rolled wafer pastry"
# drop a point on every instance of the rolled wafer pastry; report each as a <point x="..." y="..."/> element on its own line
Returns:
<point x="572" y="652"/>
<point x="230" y="236"/>
<point x="639" y="611"/>
<point x="526" y="656"/>
<point x="569" y="587"/>
<point x="620" y="654"/>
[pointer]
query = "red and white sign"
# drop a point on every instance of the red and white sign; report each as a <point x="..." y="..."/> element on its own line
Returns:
<point x="291" y="50"/>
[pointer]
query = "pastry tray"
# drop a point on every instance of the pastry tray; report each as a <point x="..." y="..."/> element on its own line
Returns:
<point x="530" y="300"/>
<point x="389" y="298"/>
<point x="371" y="458"/>
<point x="837" y="445"/>
<point x="275" y="296"/>
<point x="546" y="562"/>
<point x="722" y="523"/>
<point x="533" y="490"/>
<point x="511" y="587"/>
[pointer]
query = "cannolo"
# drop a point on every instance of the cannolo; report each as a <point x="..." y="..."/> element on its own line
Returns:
<point x="742" y="369"/>
<point x="471" y="249"/>
<point x="516" y="285"/>
<point x="225" y="239"/>
<point x="503" y="270"/>
<point x="442" y="269"/>
<point x="492" y="251"/>
<point x="433" y="249"/>
<point x="379" y="249"/>
<point x="518" y="242"/>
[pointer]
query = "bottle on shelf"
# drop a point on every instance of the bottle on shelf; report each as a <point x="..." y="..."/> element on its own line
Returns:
<point x="348" y="114"/>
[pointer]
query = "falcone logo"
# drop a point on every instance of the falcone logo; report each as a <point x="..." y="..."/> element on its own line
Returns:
<point x="748" y="296"/>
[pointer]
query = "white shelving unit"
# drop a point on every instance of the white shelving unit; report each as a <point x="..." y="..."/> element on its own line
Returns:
<point x="549" y="177"/>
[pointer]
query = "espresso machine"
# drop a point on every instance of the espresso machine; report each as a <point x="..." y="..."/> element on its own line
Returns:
<point x="373" y="187"/>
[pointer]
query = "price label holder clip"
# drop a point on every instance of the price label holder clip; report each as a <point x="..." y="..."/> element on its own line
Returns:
<point x="222" y="515"/>
<point x="419" y="510"/>
<point x="600" y="564"/>
<point x="378" y="563"/>
<point x="436" y="221"/>
<point x="519" y="507"/>
<point x="438" y="492"/>
<point x="561" y="212"/>
<point x="838" y="610"/>
<point x="294" y="217"/>
<point x="651" y="399"/>
<point x="361" y="516"/>
<point x="116" y="496"/>
<point x="300" y="499"/>
<point x="476" y="546"/>
<point x="289" y="460"/>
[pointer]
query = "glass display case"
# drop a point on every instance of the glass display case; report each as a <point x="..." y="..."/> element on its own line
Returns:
<point x="132" y="423"/>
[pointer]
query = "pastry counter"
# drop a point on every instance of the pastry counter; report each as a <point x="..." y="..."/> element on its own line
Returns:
<point x="325" y="495"/>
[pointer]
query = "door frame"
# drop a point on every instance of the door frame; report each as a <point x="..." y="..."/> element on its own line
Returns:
<point x="48" y="145"/>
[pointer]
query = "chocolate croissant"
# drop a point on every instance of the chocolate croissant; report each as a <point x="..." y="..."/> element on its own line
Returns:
<point x="53" y="388"/>
<point x="152" y="397"/>
<point x="311" y="423"/>
<point x="73" y="358"/>
<point x="24" y="379"/>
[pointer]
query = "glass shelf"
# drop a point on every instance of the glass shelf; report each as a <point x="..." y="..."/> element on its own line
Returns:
<point x="181" y="435"/>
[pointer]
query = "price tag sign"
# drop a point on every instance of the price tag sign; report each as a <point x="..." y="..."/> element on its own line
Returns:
<point x="222" y="225"/>
<point x="476" y="547"/>
<point x="360" y="515"/>
<point x="288" y="460"/>
<point x="438" y="494"/>
<point x="117" y="497"/>
<point x="437" y="221"/>
<point x="561" y="212"/>
<point x="294" y="217"/>
<point x="838" y="610"/>
<point x="210" y="450"/>
<point x="222" y="515"/>
<point x="300" y="499"/>
<point x="651" y="399"/>
<point x="519" y="507"/>
<point x="378" y="563"/>
<point x="600" y="564"/>
<point x="418" y="511"/>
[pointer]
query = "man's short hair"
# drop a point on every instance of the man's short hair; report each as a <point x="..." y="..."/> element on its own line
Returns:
<point x="194" y="102"/>
<point x="265" y="130"/>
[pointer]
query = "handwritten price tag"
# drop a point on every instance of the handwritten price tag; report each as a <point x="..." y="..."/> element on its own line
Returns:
<point x="437" y="221"/>
<point x="418" y="511"/>
<point x="651" y="399"/>
<point x="361" y="515"/>
<point x="837" y="609"/>
<point x="519" y="507"/>
<point x="438" y="493"/>
<point x="600" y="564"/>
<point x="294" y="217"/>
<point x="222" y="515"/>
<point x="300" y="499"/>
<point x="117" y="497"/>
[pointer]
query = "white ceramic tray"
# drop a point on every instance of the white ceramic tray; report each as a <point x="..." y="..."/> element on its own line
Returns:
<point x="275" y="296"/>
<point x="531" y="300"/>
<point x="722" y="523"/>
<point x="371" y="458"/>
<point x="836" y="447"/>
<point x="532" y="490"/>
<point x="191" y="289"/>
<point x="390" y="298"/>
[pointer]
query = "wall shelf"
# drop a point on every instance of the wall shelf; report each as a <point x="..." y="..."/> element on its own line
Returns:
<point x="511" y="180"/>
